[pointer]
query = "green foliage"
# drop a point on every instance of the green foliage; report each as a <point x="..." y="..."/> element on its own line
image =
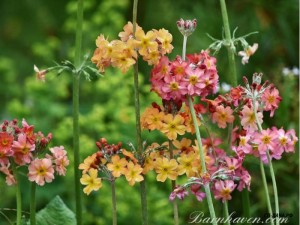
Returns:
<point x="56" y="212"/>
<point x="41" y="32"/>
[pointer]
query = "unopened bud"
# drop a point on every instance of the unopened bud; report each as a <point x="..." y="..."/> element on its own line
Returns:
<point x="186" y="27"/>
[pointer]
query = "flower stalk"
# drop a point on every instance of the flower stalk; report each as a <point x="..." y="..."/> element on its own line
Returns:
<point x="32" y="204"/>
<point x="262" y="170"/>
<point x="229" y="44"/>
<point x="225" y="205"/>
<point x="198" y="135"/>
<point x="114" y="202"/>
<point x="143" y="193"/>
<point x="173" y="185"/>
<point x="18" y="196"/>
<point x="76" y="77"/>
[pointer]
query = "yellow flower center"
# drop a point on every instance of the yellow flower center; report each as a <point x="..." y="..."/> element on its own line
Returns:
<point x="266" y="139"/>
<point x="193" y="80"/>
<point x="283" y="140"/>
<point x="42" y="171"/>
<point x="4" y="142"/>
<point x="225" y="192"/>
<point x="174" y="86"/>
<point x="271" y="99"/>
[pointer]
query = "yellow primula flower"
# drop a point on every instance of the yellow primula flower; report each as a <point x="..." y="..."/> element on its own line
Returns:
<point x="133" y="173"/>
<point x="88" y="163"/>
<point x="165" y="39"/>
<point x="172" y="126"/>
<point x="117" y="166"/>
<point x="145" y="42"/>
<point x="188" y="164"/>
<point x="166" y="169"/>
<point x="91" y="180"/>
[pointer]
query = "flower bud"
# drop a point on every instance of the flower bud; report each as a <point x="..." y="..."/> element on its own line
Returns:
<point x="186" y="27"/>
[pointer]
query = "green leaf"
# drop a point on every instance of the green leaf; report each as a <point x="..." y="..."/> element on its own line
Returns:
<point x="56" y="212"/>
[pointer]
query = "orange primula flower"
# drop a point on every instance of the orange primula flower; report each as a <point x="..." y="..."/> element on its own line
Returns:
<point x="88" y="163"/>
<point x="165" y="39"/>
<point x="127" y="34"/>
<point x="188" y="164"/>
<point x="185" y="145"/>
<point x="153" y="118"/>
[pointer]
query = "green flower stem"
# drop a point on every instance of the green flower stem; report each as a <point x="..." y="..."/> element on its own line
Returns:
<point x="202" y="158"/>
<point x="114" y="202"/>
<point x="143" y="192"/>
<point x="32" y="204"/>
<point x="246" y="203"/>
<point x="76" y="77"/>
<point x="230" y="50"/>
<point x="225" y="205"/>
<point x="18" y="195"/>
<point x="262" y="170"/>
<point x="201" y="152"/>
<point x="173" y="185"/>
<point x="274" y="187"/>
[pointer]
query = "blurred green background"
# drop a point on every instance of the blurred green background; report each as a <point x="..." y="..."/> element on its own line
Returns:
<point x="41" y="32"/>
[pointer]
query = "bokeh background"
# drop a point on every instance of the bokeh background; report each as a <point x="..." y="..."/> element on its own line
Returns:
<point x="41" y="32"/>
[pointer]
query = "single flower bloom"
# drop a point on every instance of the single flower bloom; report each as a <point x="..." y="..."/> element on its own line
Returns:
<point x="133" y="173"/>
<point x="41" y="171"/>
<point x="9" y="179"/>
<point x="244" y="144"/>
<point x="6" y="141"/>
<point x="154" y="119"/>
<point x="265" y="140"/>
<point x="166" y="168"/>
<point x="223" y="189"/>
<point x="178" y="192"/>
<point x="196" y="190"/>
<point x="59" y="155"/>
<point x="91" y="180"/>
<point x="222" y="116"/>
<point x="184" y="145"/>
<point x="88" y="163"/>
<point x="145" y="42"/>
<point x="165" y="39"/>
<point x="172" y="126"/>
<point x="248" y="120"/>
<point x="40" y="74"/>
<point x="127" y="34"/>
<point x="248" y="51"/>
<point x="22" y="149"/>
<point x="188" y="164"/>
<point x="271" y="99"/>
<point x="117" y="166"/>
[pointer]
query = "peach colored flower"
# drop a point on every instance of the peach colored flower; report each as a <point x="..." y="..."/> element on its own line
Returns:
<point x="223" y="116"/>
<point x="41" y="170"/>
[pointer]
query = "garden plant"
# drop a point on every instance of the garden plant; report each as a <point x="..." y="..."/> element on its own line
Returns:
<point x="169" y="138"/>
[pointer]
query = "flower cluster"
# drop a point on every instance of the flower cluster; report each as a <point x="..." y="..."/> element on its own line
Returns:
<point x="123" y="53"/>
<point x="112" y="161"/>
<point x="21" y="146"/>
<point x="195" y="77"/>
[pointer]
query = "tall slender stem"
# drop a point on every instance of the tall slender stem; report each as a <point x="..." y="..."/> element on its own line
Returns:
<point x="76" y="77"/>
<point x="230" y="50"/>
<point x="262" y="170"/>
<point x="201" y="152"/>
<point x="143" y="192"/>
<point x="114" y="202"/>
<point x="173" y="185"/>
<point x="274" y="187"/>
<point x="225" y="205"/>
<point x="202" y="159"/>
<point x="18" y="195"/>
<point x="32" y="204"/>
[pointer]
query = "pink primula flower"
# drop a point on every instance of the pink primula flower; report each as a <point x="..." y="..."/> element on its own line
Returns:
<point x="271" y="100"/>
<point x="9" y="179"/>
<point x="22" y="149"/>
<point x="248" y="120"/>
<point x="41" y="170"/>
<point x="60" y="158"/>
<point x="6" y="141"/>
<point x="223" y="189"/>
